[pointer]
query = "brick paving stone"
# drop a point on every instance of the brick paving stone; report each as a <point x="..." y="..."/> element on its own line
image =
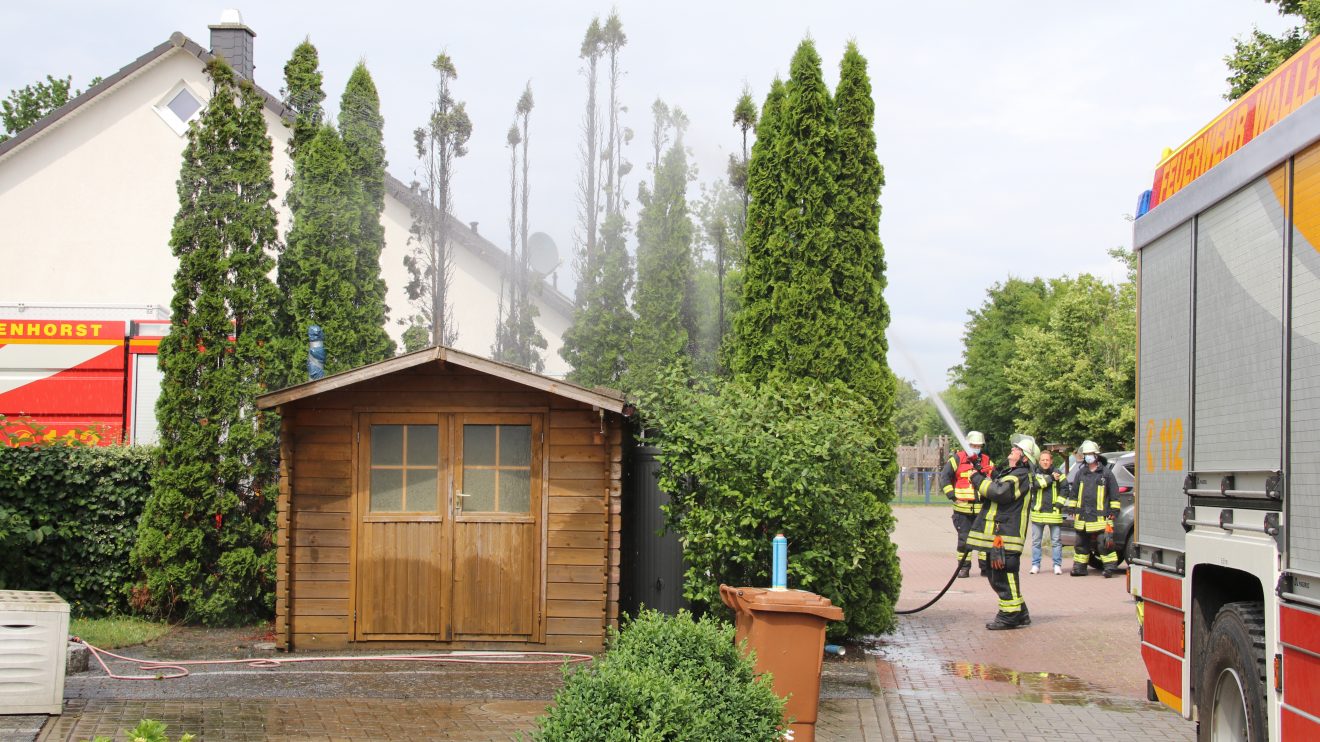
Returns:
<point x="1077" y="669"/>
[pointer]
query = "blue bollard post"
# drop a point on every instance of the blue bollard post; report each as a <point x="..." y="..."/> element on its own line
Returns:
<point x="315" y="353"/>
<point x="779" y="563"/>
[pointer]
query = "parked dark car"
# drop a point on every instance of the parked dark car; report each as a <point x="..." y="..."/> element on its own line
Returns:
<point x="1124" y="466"/>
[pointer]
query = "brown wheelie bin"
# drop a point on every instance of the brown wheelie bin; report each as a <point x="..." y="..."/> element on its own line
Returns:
<point x="786" y="629"/>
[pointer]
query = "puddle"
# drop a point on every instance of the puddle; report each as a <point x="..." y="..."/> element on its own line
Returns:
<point x="1043" y="687"/>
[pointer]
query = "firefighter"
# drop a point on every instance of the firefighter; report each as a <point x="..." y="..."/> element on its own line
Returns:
<point x="1051" y="494"/>
<point x="1001" y="528"/>
<point x="1094" y="499"/>
<point x="957" y="487"/>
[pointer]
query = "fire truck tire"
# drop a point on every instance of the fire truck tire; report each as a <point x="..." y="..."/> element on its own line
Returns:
<point x="1231" y="694"/>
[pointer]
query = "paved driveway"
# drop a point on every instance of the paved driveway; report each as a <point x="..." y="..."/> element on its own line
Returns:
<point x="1074" y="674"/>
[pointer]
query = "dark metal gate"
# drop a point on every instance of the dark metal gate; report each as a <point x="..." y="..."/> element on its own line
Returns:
<point x="652" y="568"/>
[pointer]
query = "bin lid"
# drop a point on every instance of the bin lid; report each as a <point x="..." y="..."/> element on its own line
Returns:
<point x="31" y="600"/>
<point x="787" y="601"/>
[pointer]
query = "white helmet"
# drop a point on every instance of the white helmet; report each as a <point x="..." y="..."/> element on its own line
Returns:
<point x="974" y="438"/>
<point x="1089" y="447"/>
<point x="1027" y="444"/>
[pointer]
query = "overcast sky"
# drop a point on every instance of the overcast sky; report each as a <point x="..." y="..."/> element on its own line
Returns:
<point x="1016" y="136"/>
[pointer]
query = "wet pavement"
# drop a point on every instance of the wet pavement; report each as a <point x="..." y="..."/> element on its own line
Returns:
<point x="1073" y="675"/>
<point x="1076" y="672"/>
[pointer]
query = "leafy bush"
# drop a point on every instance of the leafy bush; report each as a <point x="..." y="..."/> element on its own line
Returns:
<point x="665" y="678"/>
<point x="745" y="462"/>
<point x="68" y="516"/>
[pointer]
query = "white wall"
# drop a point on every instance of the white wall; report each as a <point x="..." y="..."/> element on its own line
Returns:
<point x="87" y="205"/>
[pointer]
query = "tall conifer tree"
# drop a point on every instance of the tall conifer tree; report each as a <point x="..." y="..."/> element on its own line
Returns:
<point x="761" y="269"/>
<point x="303" y="94"/>
<point x="203" y="542"/>
<point x="317" y="275"/>
<point x="859" y="268"/>
<point x="362" y="127"/>
<point x="792" y="321"/>
<point x="665" y="326"/>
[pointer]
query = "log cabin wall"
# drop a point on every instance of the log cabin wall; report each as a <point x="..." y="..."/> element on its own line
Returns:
<point x="580" y="506"/>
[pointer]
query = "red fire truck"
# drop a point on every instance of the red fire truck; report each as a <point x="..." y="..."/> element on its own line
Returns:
<point x="84" y="373"/>
<point x="1226" y="562"/>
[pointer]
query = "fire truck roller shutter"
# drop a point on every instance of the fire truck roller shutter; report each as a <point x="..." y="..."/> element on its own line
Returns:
<point x="1304" y="477"/>
<point x="1165" y="373"/>
<point x="1239" y="331"/>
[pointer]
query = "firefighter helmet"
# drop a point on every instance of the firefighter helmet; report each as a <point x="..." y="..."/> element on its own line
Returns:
<point x="1089" y="447"/>
<point x="975" y="438"/>
<point x="1027" y="444"/>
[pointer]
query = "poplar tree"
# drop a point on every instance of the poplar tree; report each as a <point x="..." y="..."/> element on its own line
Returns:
<point x="318" y="268"/>
<point x="613" y="39"/>
<point x="595" y="344"/>
<point x="362" y="127"/>
<point x="591" y="50"/>
<point x="665" y="326"/>
<point x="744" y="118"/>
<point x="203" y="543"/>
<point x="504" y="327"/>
<point x="440" y="141"/>
<point x="517" y="339"/>
<point x="302" y="94"/>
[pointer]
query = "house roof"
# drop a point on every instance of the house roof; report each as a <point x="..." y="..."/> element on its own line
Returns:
<point x="459" y="231"/>
<point x="606" y="399"/>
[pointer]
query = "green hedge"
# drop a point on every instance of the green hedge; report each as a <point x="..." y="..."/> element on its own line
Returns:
<point x="797" y="457"/>
<point x="666" y="678"/>
<point x="68" y="517"/>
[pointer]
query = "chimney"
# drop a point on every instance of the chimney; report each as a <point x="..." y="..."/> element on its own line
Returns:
<point x="473" y="226"/>
<point x="233" y="41"/>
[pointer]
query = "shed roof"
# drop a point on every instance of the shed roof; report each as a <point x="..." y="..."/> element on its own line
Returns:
<point x="606" y="399"/>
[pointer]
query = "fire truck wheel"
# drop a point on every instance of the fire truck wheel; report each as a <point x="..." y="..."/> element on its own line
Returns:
<point x="1231" y="694"/>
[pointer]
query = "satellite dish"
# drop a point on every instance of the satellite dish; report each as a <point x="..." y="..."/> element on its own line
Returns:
<point x="542" y="254"/>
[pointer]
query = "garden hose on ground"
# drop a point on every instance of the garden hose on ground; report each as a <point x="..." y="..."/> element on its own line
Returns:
<point x="171" y="669"/>
<point x="936" y="599"/>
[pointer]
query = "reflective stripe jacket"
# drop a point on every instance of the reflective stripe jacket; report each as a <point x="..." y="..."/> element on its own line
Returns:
<point x="1049" y="497"/>
<point x="1005" y="510"/>
<point x="1095" y="495"/>
<point x="955" y="482"/>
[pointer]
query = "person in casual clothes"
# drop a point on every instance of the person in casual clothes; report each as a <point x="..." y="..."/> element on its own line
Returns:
<point x="1001" y="527"/>
<point x="957" y="487"/>
<point x="1047" y="504"/>
<point x="1094" y="498"/>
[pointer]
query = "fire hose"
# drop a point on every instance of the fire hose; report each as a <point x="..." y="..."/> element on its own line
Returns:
<point x="936" y="599"/>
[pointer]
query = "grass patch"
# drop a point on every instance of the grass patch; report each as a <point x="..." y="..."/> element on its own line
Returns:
<point x="116" y="631"/>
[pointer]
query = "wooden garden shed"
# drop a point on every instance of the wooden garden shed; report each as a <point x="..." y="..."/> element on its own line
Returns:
<point x="445" y="499"/>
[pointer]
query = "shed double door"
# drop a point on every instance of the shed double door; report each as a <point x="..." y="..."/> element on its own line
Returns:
<point x="448" y="527"/>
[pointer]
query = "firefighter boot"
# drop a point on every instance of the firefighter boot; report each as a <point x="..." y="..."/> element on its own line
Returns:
<point x="965" y="569"/>
<point x="1078" y="570"/>
<point x="1110" y="571"/>
<point x="1006" y="621"/>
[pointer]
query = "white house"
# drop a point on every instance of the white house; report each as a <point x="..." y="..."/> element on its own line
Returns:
<point x="87" y="199"/>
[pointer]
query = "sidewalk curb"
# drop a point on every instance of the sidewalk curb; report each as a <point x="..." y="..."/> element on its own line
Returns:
<point x="888" y="733"/>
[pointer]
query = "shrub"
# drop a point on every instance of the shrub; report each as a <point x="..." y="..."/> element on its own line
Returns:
<point x="147" y="730"/>
<point x="665" y="678"/>
<point x="743" y="462"/>
<point x="68" y="516"/>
